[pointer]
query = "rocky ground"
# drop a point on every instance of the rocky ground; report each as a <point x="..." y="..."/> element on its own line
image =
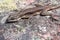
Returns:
<point x="35" y="28"/>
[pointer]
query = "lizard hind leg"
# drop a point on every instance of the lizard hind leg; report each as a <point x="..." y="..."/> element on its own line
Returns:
<point x="45" y="13"/>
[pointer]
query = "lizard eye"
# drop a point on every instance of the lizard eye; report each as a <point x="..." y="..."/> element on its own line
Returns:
<point x="12" y="18"/>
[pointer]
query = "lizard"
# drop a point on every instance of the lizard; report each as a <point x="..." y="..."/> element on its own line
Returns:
<point x="31" y="12"/>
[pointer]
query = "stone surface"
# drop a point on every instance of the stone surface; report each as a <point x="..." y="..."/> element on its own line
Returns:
<point x="35" y="28"/>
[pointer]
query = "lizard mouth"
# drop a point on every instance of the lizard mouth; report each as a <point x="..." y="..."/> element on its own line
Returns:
<point x="11" y="21"/>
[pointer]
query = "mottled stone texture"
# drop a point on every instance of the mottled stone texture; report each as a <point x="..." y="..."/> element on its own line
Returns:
<point x="35" y="28"/>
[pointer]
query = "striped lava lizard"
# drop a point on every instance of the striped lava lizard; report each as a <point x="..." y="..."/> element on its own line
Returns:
<point x="31" y="12"/>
